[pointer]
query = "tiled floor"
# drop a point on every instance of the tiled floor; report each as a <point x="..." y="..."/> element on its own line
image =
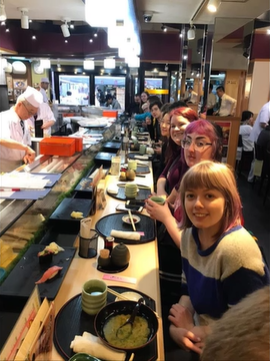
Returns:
<point x="256" y="215"/>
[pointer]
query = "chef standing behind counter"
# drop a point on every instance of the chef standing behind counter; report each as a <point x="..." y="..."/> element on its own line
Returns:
<point x="45" y="114"/>
<point x="14" y="133"/>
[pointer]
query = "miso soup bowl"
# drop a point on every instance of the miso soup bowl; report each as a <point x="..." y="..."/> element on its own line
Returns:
<point x="125" y="308"/>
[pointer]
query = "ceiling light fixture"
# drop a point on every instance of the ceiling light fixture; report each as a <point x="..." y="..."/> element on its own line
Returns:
<point x="180" y="34"/>
<point x="7" y="30"/>
<point x="45" y="63"/>
<point x="89" y="64"/>
<point x="34" y="37"/>
<point x="90" y="40"/>
<point x="163" y="28"/>
<point x="191" y="34"/>
<point x="71" y="25"/>
<point x="24" y="18"/>
<point x="66" y="41"/>
<point x="95" y="35"/>
<point x="64" y="28"/>
<point x="3" y="23"/>
<point x="3" y="15"/>
<point x="213" y="5"/>
<point x="268" y="31"/>
<point x="109" y="63"/>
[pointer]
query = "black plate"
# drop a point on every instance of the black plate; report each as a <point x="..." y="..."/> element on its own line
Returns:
<point x="112" y="268"/>
<point x="111" y="147"/>
<point x="21" y="281"/>
<point x="141" y="195"/>
<point x="104" y="158"/>
<point x="114" y="221"/>
<point x="61" y="218"/>
<point x="71" y="321"/>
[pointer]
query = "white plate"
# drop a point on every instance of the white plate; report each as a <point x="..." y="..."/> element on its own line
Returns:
<point x="132" y="296"/>
<point x="136" y="219"/>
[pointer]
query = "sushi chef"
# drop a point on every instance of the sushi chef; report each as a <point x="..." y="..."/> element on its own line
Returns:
<point x="44" y="113"/>
<point x="44" y="85"/>
<point x="14" y="134"/>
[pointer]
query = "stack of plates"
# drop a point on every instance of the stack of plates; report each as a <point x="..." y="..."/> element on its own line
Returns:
<point x="131" y="190"/>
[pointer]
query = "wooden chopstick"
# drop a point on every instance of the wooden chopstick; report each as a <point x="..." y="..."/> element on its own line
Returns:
<point x="131" y="220"/>
<point x="119" y="295"/>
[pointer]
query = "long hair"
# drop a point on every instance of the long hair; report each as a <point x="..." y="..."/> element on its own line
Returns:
<point x="173" y="150"/>
<point x="212" y="131"/>
<point x="217" y="176"/>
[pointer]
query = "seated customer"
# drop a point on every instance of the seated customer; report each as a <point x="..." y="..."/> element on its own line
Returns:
<point x="146" y="113"/>
<point x="170" y="176"/>
<point x="153" y="124"/>
<point x="222" y="263"/>
<point x="242" y="333"/>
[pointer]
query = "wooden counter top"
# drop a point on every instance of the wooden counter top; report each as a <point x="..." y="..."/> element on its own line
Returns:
<point x="143" y="266"/>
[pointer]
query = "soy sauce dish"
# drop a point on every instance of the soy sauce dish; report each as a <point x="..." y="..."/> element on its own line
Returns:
<point x="144" y="329"/>
<point x="126" y="219"/>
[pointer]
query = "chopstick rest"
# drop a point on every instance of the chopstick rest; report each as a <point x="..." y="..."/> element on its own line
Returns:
<point x="134" y="236"/>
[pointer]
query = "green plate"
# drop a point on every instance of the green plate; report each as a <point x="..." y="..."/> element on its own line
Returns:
<point x="83" y="357"/>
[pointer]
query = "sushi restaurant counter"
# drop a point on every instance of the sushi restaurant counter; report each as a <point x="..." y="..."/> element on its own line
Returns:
<point x="143" y="266"/>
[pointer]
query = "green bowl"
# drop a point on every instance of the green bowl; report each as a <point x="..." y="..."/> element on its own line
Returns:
<point x="83" y="357"/>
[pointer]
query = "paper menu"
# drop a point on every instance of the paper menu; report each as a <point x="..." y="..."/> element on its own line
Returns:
<point x="21" y="327"/>
<point x="23" y="181"/>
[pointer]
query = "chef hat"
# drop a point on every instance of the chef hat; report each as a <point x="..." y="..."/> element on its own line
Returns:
<point x="44" y="80"/>
<point x="33" y="96"/>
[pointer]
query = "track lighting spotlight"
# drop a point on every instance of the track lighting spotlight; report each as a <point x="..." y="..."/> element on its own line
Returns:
<point x="95" y="35"/>
<point x="180" y="34"/>
<point x="191" y="34"/>
<point x="164" y="28"/>
<point x="34" y="37"/>
<point x="64" y="28"/>
<point x="71" y="25"/>
<point x="90" y="40"/>
<point x="24" y="18"/>
<point x="213" y="5"/>
<point x="3" y="15"/>
<point x="7" y="30"/>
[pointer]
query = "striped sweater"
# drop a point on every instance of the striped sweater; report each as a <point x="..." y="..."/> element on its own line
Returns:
<point x="223" y="274"/>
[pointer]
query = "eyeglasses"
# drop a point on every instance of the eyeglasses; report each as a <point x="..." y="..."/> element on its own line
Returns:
<point x="32" y="112"/>
<point x="199" y="145"/>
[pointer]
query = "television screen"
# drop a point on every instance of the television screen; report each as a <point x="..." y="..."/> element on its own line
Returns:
<point x="4" y="103"/>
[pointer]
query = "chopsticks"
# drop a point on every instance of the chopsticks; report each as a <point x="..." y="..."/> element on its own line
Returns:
<point x="119" y="295"/>
<point x="131" y="220"/>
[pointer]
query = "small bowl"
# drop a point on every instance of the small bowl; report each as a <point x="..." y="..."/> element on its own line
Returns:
<point x="126" y="219"/>
<point x="158" y="200"/>
<point x="132" y="296"/>
<point x="125" y="308"/>
<point x="80" y="356"/>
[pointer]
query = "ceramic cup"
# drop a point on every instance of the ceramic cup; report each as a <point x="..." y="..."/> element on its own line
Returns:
<point x="158" y="200"/>
<point x="142" y="149"/>
<point x="94" y="296"/>
<point x="132" y="164"/>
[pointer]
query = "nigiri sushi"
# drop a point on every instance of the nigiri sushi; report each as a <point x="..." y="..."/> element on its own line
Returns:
<point x="50" y="273"/>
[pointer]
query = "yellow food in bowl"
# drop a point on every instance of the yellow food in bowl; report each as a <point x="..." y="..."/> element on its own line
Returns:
<point x="138" y="337"/>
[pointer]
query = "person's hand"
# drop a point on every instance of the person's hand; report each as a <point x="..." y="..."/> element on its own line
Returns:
<point x="181" y="316"/>
<point x="148" y="120"/>
<point x="157" y="211"/>
<point x="29" y="156"/>
<point x="201" y="331"/>
<point x="144" y="124"/>
<point x="186" y="339"/>
<point x="157" y="150"/>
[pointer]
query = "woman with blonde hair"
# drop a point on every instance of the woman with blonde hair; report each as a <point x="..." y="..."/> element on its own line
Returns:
<point x="221" y="262"/>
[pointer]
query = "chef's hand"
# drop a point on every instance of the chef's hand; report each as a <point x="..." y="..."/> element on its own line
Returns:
<point x="186" y="339"/>
<point x="29" y="156"/>
<point x="157" y="211"/>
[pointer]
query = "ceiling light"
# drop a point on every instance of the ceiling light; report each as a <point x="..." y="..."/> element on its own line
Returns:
<point x="34" y="37"/>
<point x="268" y="31"/>
<point x="66" y="41"/>
<point x="45" y="63"/>
<point x="24" y="18"/>
<point x="109" y="63"/>
<point x="95" y="34"/>
<point x="163" y="28"/>
<point x="90" y="40"/>
<point x="3" y="15"/>
<point x="7" y="30"/>
<point x="185" y="57"/>
<point x="30" y="21"/>
<point x="213" y="5"/>
<point x="191" y="34"/>
<point x="180" y="34"/>
<point x="89" y="64"/>
<point x="71" y="25"/>
<point x="64" y="28"/>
